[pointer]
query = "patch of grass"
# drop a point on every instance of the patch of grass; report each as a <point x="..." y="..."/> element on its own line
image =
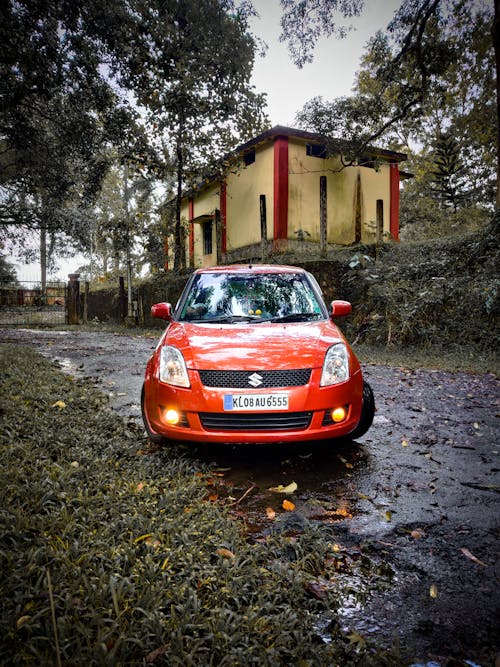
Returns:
<point x="451" y="359"/>
<point x="112" y="554"/>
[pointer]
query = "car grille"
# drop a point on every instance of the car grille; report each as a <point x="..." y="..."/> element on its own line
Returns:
<point x="285" y="421"/>
<point x="243" y="379"/>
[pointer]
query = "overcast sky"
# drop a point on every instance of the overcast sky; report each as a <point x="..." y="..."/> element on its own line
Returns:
<point x="330" y="75"/>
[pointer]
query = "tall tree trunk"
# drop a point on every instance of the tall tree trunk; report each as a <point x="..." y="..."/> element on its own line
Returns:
<point x="178" y="199"/>
<point x="495" y="32"/>
<point x="43" y="261"/>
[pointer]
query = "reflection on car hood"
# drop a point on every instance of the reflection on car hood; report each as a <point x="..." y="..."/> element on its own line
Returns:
<point x="253" y="347"/>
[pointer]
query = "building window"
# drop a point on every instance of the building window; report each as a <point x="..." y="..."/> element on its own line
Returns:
<point x="367" y="161"/>
<point x="316" y="150"/>
<point x="207" y="238"/>
<point x="249" y="158"/>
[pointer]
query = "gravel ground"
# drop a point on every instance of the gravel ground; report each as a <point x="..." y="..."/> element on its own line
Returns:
<point x="420" y="490"/>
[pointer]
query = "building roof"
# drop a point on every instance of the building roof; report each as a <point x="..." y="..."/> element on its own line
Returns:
<point x="283" y="131"/>
<point x="314" y="137"/>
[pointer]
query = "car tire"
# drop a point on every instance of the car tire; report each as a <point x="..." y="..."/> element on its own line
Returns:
<point x="156" y="438"/>
<point x="367" y="413"/>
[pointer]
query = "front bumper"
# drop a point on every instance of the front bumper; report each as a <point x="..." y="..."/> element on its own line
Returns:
<point x="203" y="418"/>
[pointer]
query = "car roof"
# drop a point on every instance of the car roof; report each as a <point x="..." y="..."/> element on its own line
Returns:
<point x="252" y="268"/>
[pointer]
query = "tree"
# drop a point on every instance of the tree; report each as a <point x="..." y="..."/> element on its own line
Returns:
<point x="7" y="272"/>
<point x="190" y="65"/>
<point x="447" y="176"/>
<point x="302" y="21"/>
<point x="57" y="112"/>
<point x="122" y="217"/>
<point x="431" y="72"/>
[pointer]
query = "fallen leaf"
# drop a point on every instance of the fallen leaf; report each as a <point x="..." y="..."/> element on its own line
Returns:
<point x="284" y="489"/>
<point x="388" y="515"/>
<point x="471" y="556"/>
<point x="288" y="506"/>
<point x="417" y="534"/>
<point x="141" y="538"/>
<point x="21" y="621"/>
<point x="404" y="443"/>
<point x="342" y="511"/>
<point x="59" y="404"/>
<point x="271" y="514"/>
<point x="157" y="653"/>
<point x="433" y="591"/>
<point x="225" y="553"/>
<point x="317" y="590"/>
<point x="139" y="487"/>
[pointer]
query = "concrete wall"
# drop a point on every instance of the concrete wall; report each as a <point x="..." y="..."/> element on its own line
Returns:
<point x="245" y="184"/>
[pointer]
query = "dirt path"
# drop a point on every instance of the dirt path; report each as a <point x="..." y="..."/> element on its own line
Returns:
<point x="420" y="491"/>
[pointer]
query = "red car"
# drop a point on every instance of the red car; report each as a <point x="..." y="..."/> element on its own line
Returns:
<point x="252" y="355"/>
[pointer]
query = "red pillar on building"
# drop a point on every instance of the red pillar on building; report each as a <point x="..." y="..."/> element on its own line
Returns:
<point x="280" y="188"/>
<point x="394" y="210"/>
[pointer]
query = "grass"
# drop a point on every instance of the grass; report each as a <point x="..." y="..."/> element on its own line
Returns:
<point x="451" y="359"/>
<point x="112" y="553"/>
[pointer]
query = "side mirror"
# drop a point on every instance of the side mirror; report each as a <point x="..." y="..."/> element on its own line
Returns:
<point x="341" y="308"/>
<point x="163" y="311"/>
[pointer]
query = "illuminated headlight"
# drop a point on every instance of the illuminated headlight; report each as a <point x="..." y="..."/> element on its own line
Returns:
<point x="335" y="366"/>
<point x="173" y="367"/>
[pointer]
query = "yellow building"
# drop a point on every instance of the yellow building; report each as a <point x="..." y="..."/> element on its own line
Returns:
<point x="282" y="191"/>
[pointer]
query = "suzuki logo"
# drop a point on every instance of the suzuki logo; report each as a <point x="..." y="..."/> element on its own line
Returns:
<point x="255" y="380"/>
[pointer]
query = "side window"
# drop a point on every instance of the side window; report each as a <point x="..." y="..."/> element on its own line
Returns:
<point x="316" y="150"/>
<point x="249" y="158"/>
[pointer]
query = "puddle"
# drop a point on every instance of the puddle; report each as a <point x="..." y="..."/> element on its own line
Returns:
<point x="67" y="365"/>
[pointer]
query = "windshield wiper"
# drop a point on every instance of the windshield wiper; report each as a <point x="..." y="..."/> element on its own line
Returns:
<point x="230" y="319"/>
<point x="296" y="317"/>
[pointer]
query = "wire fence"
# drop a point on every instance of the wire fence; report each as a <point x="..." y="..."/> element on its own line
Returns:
<point x="28" y="303"/>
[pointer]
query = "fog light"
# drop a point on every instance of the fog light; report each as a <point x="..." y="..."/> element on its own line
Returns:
<point x="339" y="414"/>
<point x="171" y="416"/>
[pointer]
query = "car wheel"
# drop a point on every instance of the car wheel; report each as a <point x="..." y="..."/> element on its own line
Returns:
<point x="152" y="435"/>
<point x="367" y="412"/>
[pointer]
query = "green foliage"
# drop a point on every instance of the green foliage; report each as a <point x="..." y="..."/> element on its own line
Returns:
<point x="195" y="87"/>
<point x="442" y="293"/>
<point x="111" y="553"/>
<point x="7" y="271"/>
<point x="430" y="75"/>
<point x="302" y="21"/>
<point x="447" y="177"/>
<point x="58" y="111"/>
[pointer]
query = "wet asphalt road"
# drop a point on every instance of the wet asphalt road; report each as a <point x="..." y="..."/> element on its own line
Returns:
<point x="420" y="490"/>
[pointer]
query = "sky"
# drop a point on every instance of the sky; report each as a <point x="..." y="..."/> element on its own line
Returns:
<point x="331" y="75"/>
<point x="332" y="72"/>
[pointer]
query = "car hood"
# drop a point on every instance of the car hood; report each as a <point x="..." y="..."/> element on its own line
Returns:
<point x="253" y="347"/>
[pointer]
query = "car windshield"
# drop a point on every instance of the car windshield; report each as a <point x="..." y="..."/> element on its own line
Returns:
<point x="257" y="297"/>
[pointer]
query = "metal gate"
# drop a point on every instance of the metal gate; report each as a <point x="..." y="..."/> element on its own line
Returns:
<point x="27" y="303"/>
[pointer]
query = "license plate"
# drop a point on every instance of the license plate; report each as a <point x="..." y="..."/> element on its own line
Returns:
<point x="255" y="402"/>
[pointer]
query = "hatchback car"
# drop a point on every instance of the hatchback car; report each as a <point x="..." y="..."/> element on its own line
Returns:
<point x="251" y="354"/>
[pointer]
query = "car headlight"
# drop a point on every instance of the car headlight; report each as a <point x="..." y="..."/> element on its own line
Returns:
<point x="173" y="367"/>
<point x="335" y="366"/>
